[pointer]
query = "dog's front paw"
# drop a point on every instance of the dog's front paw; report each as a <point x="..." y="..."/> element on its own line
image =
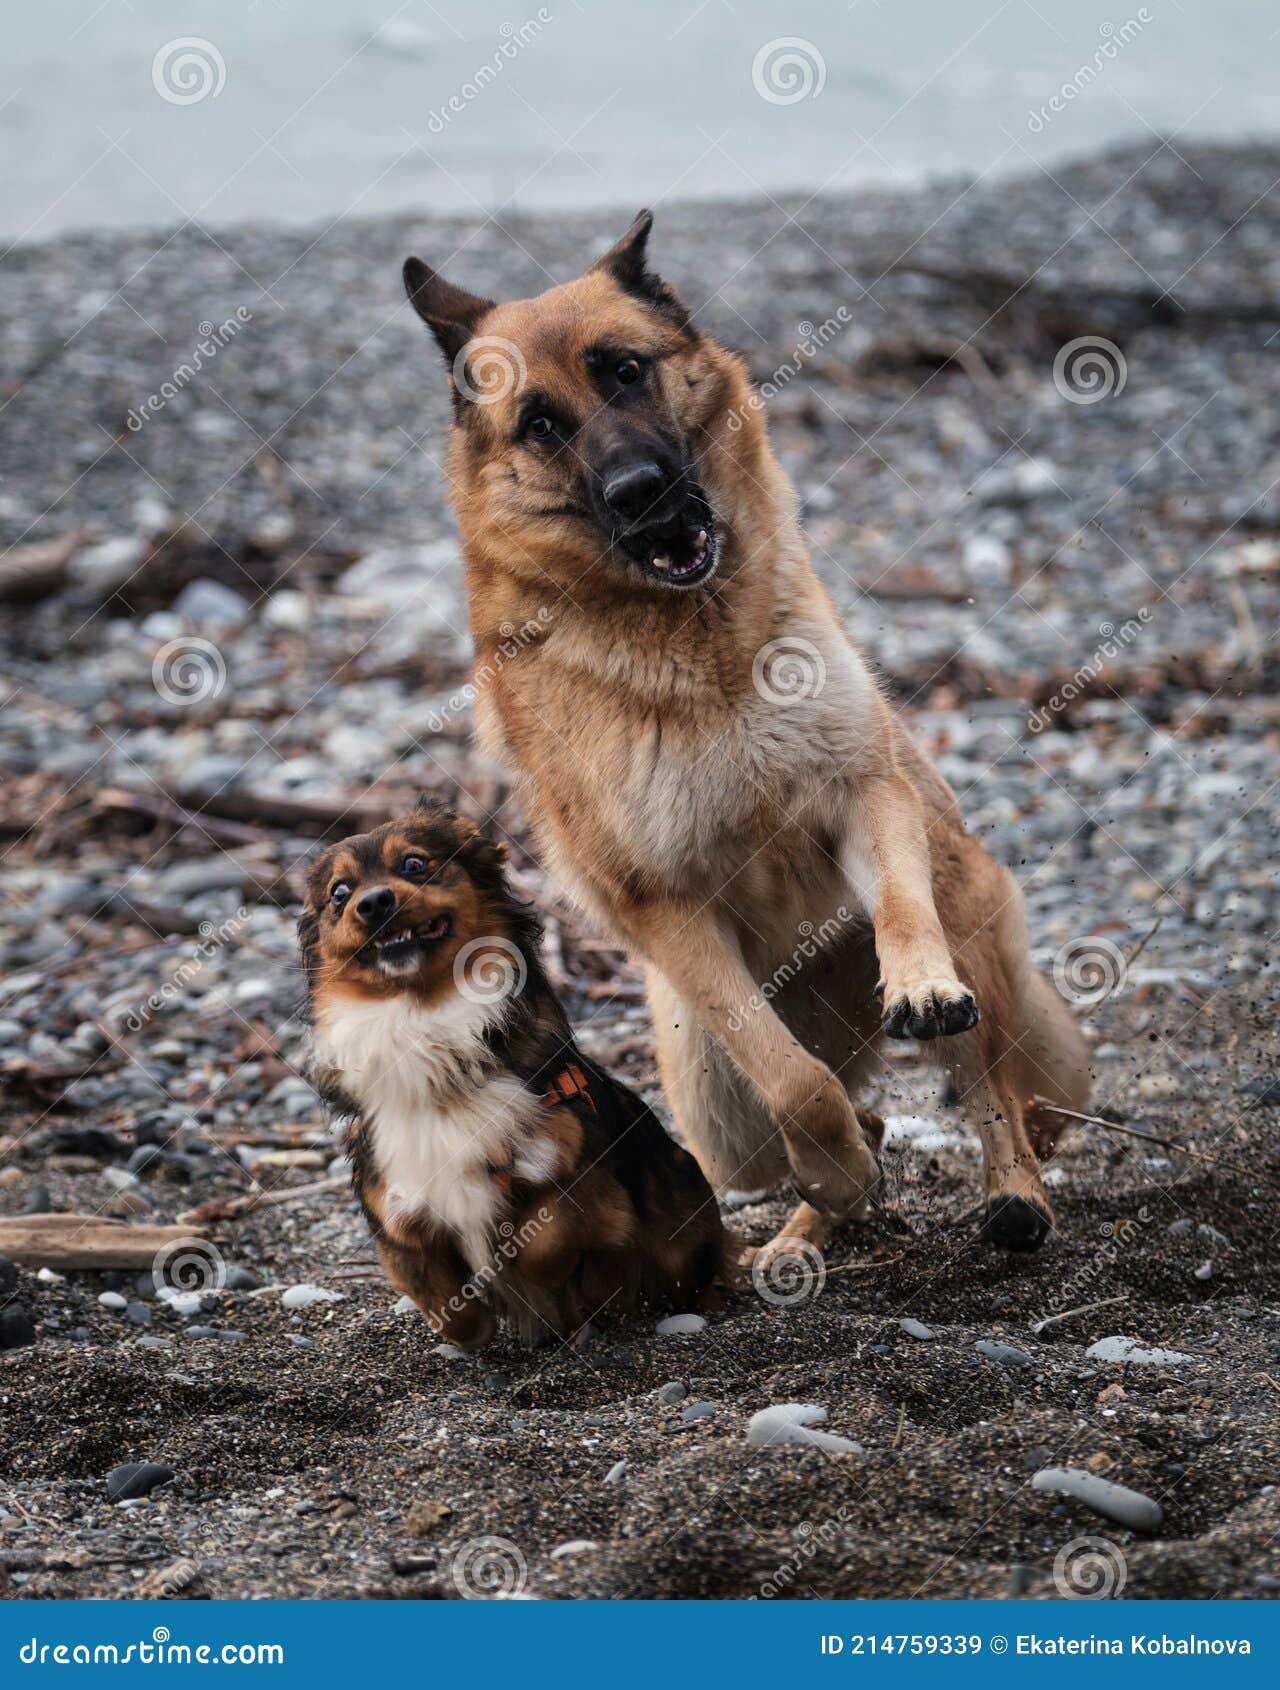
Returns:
<point x="929" y="1009"/>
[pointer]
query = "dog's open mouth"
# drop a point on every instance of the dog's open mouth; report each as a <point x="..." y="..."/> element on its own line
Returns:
<point x="405" y="948"/>
<point x="681" y="553"/>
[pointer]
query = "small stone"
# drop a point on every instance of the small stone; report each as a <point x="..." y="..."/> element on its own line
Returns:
<point x="112" y="1300"/>
<point x="1008" y="1355"/>
<point x="793" y="1423"/>
<point x="672" y="1392"/>
<point x="47" y="1276"/>
<point x="17" y="1329"/>
<point x="1114" y="1502"/>
<point x="1204" y="1271"/>
<point x="300" y="1342"/>
<point x="449" y="1352"/>
<point x="305" y="1296"/>
<point x="698" y="1411"/>
<point x="680" y="1325"/>
<point x="149" y="1342"/>
<point x="207" y="603"/>
<point x="1131" y="1351"/>
<point x="137" y="1478"/>
<point x="405" y="1566"/>
<point x="615" y="1474"/>
<point x="916" y="1329"/>
<point x="240" y="1279"/>
<point x="423" y="1517"/>
<point x="137" y="1313"/>
<point x="575" y="1546"/>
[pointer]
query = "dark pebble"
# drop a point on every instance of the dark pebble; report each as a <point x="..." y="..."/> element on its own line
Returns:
<point x="138" y="1313"/>
<point x="698" y="1411"/>
<point x="406" y="1565"/>
<point x="136" y="1478"/>
<point x="143" y="1157"/>
<point x="17" y="1329"/>
<point x="38" y="1202"/>
<point x="240" y="1279"/>
<point x="8" y="1277"/>
<point x="672" y="1392"/>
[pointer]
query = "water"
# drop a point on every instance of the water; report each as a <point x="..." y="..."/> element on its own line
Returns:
<point x="312" y="109"/>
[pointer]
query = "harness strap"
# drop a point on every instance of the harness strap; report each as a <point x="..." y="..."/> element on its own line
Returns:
<point x="569" y="1083"/>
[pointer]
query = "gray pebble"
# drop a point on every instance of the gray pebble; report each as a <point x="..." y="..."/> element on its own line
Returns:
<point x="136" y="1478"/>
<point x="615" y="1473"/>
<point x="138" y="1313"/>
<point x="672" y="1392"/>
<point x="698" y="1411"/>
<point x="916" y="1329"/>
<point x="1114" y="1502"/>
<point x="1008" y="1355"/>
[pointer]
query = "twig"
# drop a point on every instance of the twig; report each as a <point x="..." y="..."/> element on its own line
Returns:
<point x="1085" y="1308"/>
<point x="1147" y="1138"/>
<point x="233" y="1208"/>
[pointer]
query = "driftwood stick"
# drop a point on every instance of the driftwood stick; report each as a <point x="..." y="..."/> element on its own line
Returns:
<point x="85" y="1241"/>
<point x="1085" y="1308"/>
<point x="1147" y="1138"/>
<point x="233" y="1208"/>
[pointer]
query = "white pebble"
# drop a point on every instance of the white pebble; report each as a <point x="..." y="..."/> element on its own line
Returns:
<point x="680" y="1325"/>
<point x="578" y="1546"/>
<point x="1130" y="1350"/>
<point x="303" y="1296"/>
<point x="112" y="1300"/>
<point x="793" y="1423"/>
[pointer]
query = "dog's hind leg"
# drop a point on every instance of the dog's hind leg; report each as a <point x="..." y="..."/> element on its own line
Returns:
<point x="718" y="1112"/>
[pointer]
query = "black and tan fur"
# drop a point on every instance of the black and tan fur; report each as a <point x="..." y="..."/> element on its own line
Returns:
<point x="503" y="1173"/>
<point x="698" y="818"/>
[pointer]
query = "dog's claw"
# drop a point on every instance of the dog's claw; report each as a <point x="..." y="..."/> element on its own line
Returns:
<point x="932" y="1016"/>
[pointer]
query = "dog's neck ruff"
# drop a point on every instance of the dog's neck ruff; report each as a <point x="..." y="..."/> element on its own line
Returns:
<point x="450" y="1128"/>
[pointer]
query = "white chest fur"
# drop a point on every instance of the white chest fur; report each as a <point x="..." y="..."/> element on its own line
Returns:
<point x="436" y="1119"/>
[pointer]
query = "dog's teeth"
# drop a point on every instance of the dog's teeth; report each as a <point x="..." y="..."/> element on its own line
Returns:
<point x="662" y="562"/>
<point x="702" y="537"/>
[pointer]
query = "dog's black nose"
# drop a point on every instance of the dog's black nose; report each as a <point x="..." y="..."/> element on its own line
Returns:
<point x="632" y="491"/>
<point x="375" y="905"/>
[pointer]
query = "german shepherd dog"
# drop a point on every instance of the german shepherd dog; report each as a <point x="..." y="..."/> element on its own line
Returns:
<point x="618" y="499"/>
<point x="503" y="1173"/>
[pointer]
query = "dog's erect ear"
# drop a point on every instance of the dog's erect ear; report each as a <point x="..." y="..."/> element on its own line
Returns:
<point x="626" y="262"/>
<point x="450" y="313"/>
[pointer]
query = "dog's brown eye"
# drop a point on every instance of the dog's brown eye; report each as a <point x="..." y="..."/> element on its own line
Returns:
<point x="539" y="427"/>
<point x="629" y="371"/>
<point x="339" y="894"/>
<point x="413" y="865"/>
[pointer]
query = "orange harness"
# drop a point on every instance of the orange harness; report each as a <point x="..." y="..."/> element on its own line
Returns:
<point x="569" y="1083"/>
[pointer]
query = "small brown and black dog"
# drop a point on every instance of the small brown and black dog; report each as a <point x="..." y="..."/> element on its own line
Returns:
<point x="708" y="764"/>
<point x="502" y="1171"/>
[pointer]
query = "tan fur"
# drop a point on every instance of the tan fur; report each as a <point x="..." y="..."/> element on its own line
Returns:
<point x="702" y="823"/>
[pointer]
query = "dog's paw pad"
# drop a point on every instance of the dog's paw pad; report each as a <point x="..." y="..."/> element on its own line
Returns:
<point x="933" y="1013"/>
<point x="1016" y="1223"/>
